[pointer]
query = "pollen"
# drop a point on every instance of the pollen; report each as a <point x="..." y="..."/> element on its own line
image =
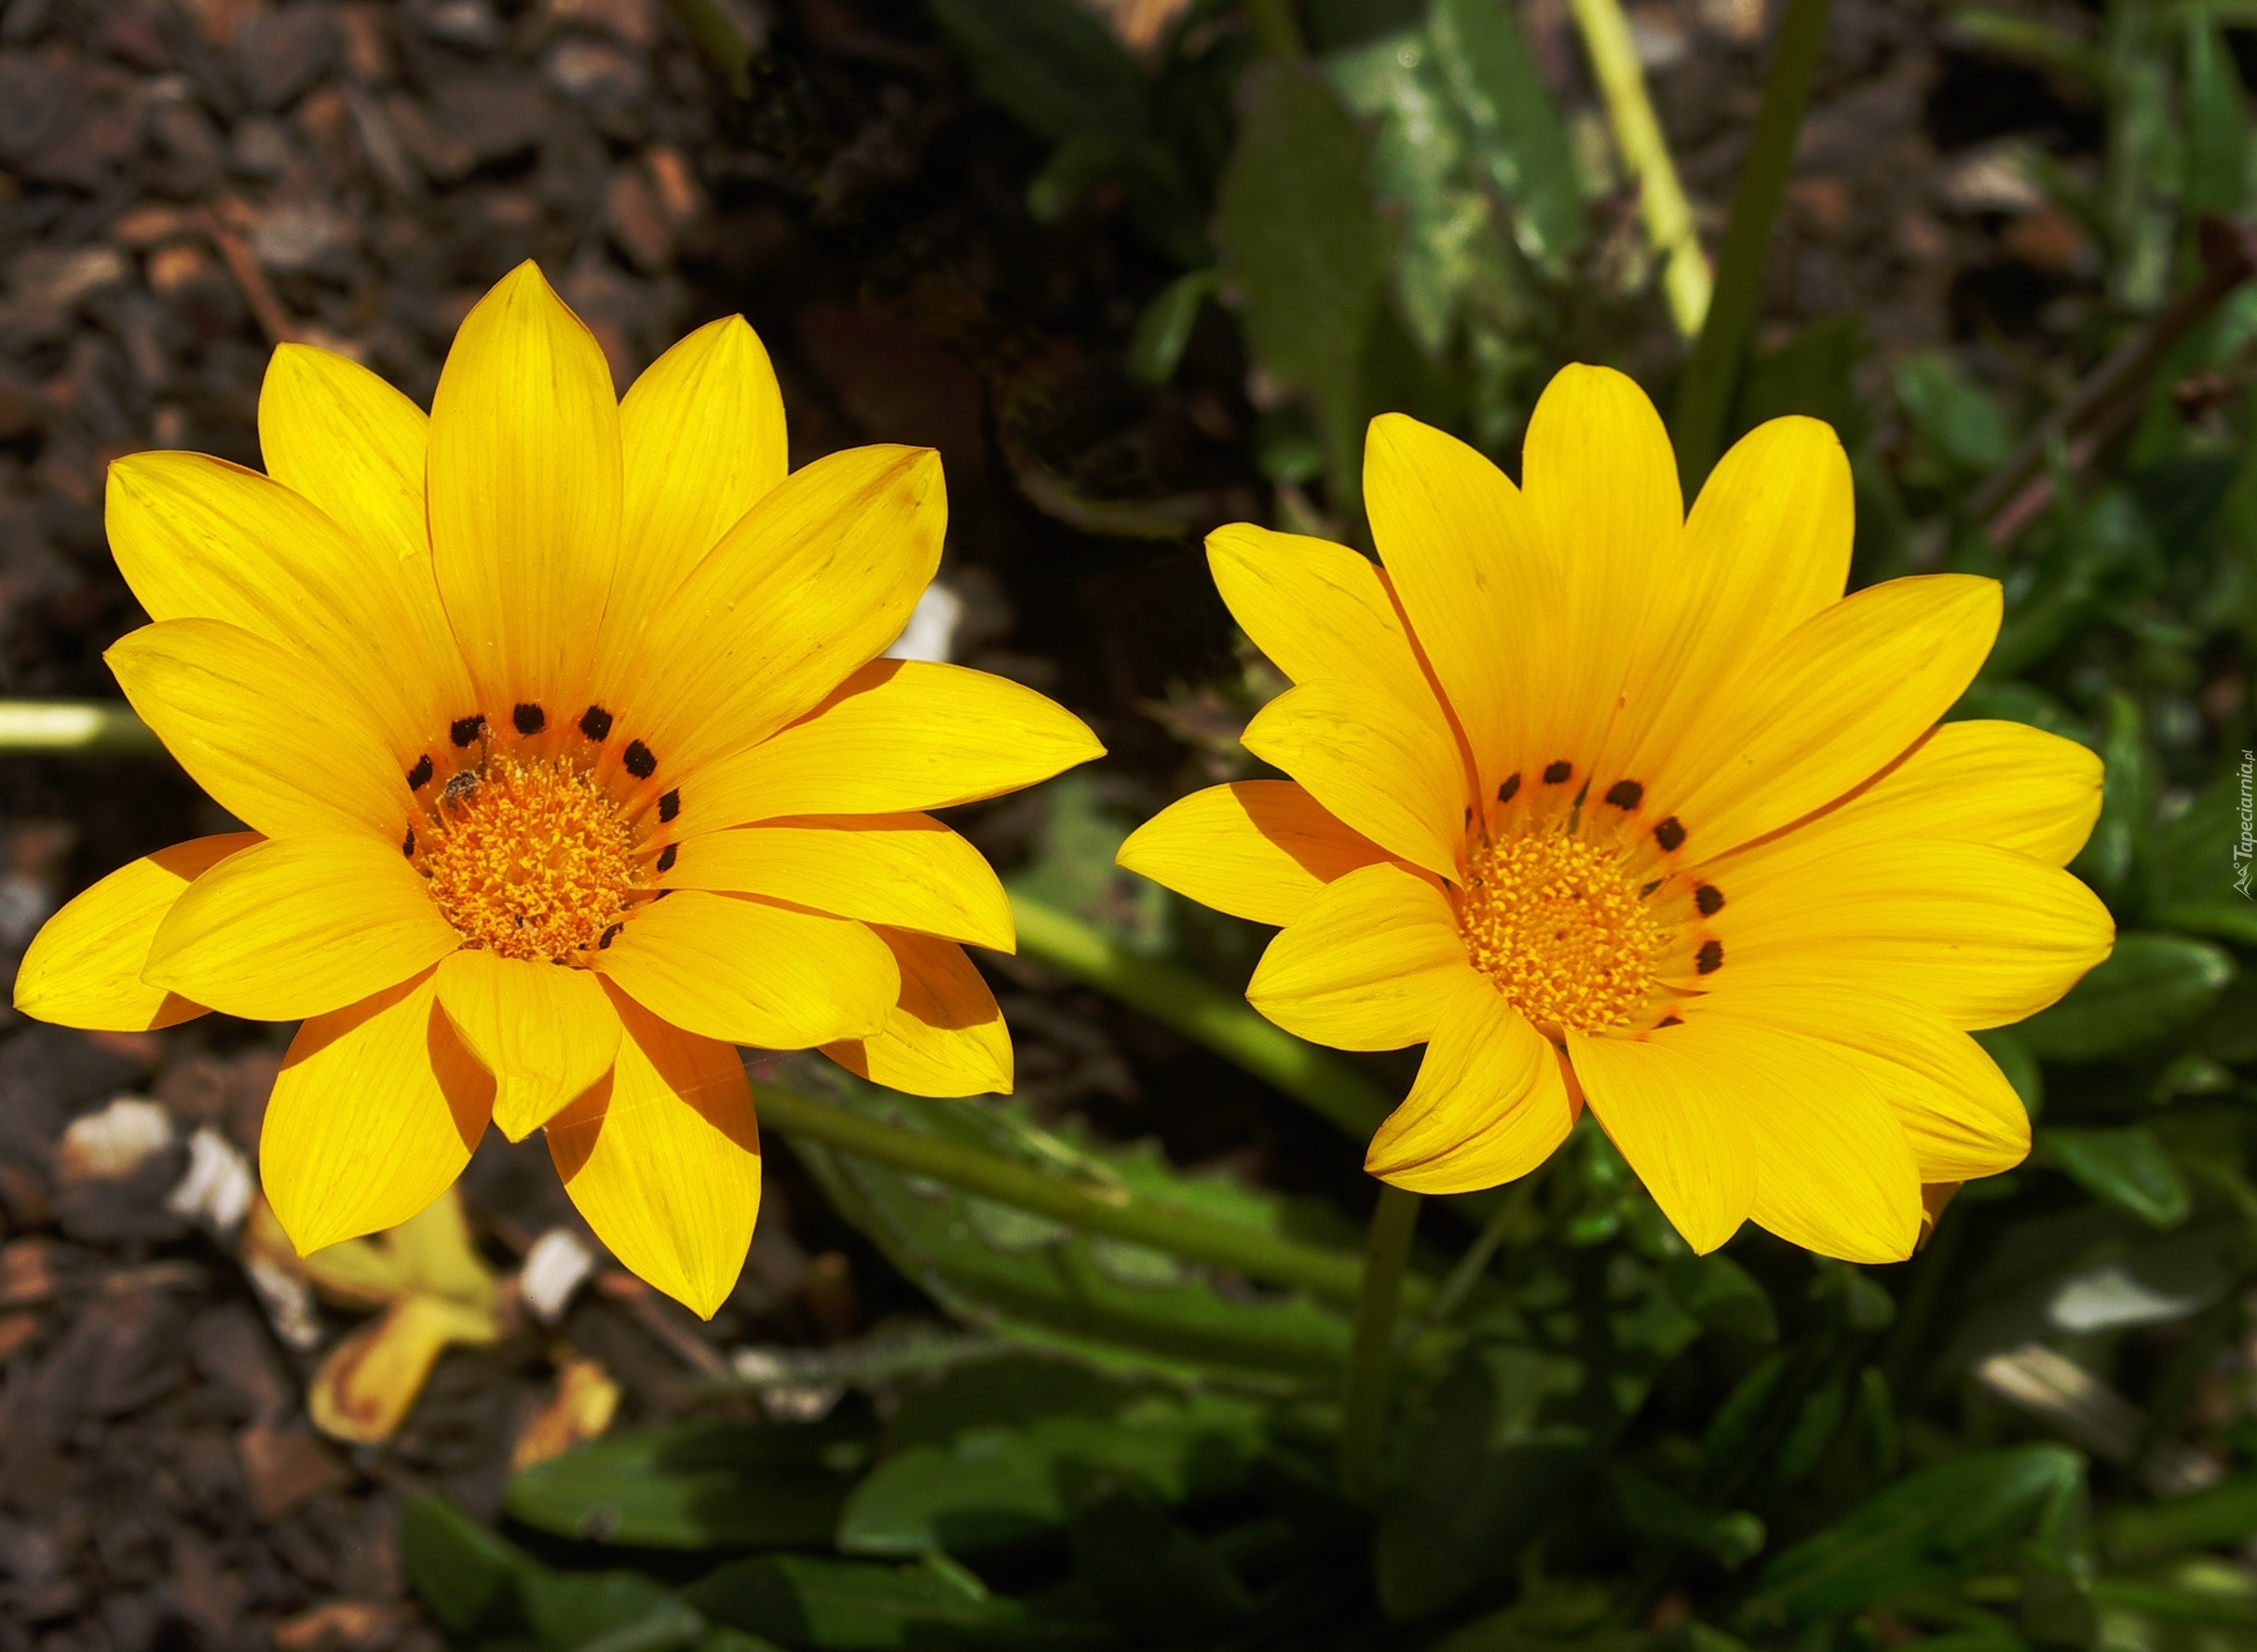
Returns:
<point x="530" y="859"/>
<point x="1560" y="928"/>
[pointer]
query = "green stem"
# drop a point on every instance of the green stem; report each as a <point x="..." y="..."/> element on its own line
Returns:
<point x="1205" y="1014"/>
<point x="90" y="728"/>
<point x="1645" y="153"/>
<point x="1275" y="32"/>
<point x="1509" y="1211"/>
<point x="1371" y="1355"/>
<point x="1704" y="395"/>
<point x="718" y="39"/>
<point x="1111" y="1211"/>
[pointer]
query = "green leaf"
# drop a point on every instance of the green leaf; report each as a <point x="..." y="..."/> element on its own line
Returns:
<point x="2107" y="857"/>
<point x="1305" y="249"/>
<point x="1518" y="143"/>
<point x="996" y="1484"/>
<point x="1071" y="867"/>
<point x="1148" y="1574"/>
<point x="1723" y="1296"/>
<point x="463" y="1573"/>
<point x="1730" y="1539"/>
<point x="2150" y="987"/>
<point x="2006" y="1047"/>
<point x="1958" y="420"/>
<point x="1925" y="1532"/>
<point x="696" y="1486"/>
<point x="2019" y="702"/>
<point x="858" y="1607"/>
<point x="1008" y="1388"/>
<point x="2219" y="1516"/>
<point x="2217" y="122"/>
<point x="2202" y="870"/>
<point x="1165" y="330"/>
<point x="1051" y="63"/>
<point x="613" y="1611"/>
<point x="1813" y="373"/>
<point x="2125" y="1168"/>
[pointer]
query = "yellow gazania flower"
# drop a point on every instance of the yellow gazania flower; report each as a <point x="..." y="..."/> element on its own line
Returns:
<point x="569" y="762"/>
<point x="1601" y="801"/>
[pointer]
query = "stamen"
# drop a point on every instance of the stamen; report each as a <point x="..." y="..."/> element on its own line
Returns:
<point x="529" y="719"/>
<point x="530" y="858"/>
<point x="640" y="762"/>
<point x="595" y="722"/>
<point x="1709" y="899"/>
<point x="463" y="730"/>
<point x="420" y="776"/>
<point x="1559" y="928"/>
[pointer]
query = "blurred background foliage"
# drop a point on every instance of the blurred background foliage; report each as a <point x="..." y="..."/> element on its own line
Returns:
<point x="2040" y="1432"/>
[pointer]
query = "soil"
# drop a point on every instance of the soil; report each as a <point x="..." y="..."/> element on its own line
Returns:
<point x="185" y="183"/>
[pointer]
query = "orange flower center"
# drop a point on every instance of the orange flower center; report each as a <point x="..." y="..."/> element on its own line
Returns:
<point x="530" y="858"/>
<point x="1560" y="928"/>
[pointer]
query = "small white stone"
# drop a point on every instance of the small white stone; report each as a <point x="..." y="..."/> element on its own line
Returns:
<point x="115" y="1142"/>
<point x="218" y="1188"/>
<point x="288" y="1302"/>
<point x="555" y="1267"/>
<point x="931" y="633"/>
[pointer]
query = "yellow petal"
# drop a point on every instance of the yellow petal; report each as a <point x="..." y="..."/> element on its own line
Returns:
<point x="812" y="583"/>
<point x="2006" y="784"/>
<point x="1398" y="780"/>
<point x="1980" y="936"/>
<point x="1257" y="850"/>
<point x="1488" y="1105"/>
<point x="1767" y="547"/>
<point x="334" y="433"/>
<point x="1484" y="587"/>
<point x="83" y="969"/>
<point x="1841" y="697"/>
<point x="198" y="538"/>
<point x="744" y="971"/>
<point x="271" y="734"/>
<point x="1834" y="1171"/>
<point x="524" y="496"/>
<point x="298" y="927"/>
<point x="946" y="1037"/>
<point x="662" y="1158"/>
<point x="1371" y="965"/>
<point x="1958" y="1111"/>
<point x="545" y="1031"/>
<point x="1319" y="611"/>
<point x="373" y="1117"/>
<point x="1600" y="483"/>
<point x="897" y="735"/>
<point x="908" y="871"/>
<point x="702" y="435"/>
<point x="1676" y="1117"/>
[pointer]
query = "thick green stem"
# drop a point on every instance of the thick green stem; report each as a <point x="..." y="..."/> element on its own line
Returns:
<point x="1111" y="1211"/>
<point x="1704" y="395"/>
<point x="1205" y="1014"/>
<point x="1372" y="1355"/>
<point x="90" y="728"/>
<point x="1645" y="156"/>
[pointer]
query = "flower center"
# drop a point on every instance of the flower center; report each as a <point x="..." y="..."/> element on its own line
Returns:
<point x="529" y="859"/>
<point x="1556" y="923"/>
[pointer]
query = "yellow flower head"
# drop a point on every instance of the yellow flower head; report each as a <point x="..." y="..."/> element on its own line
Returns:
<point x="569" y="759"/>
<point x="1605" y="803"/>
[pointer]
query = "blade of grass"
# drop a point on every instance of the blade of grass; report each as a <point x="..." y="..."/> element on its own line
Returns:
<point x="1645" y="153"/>
<point x="1371" y="1355"/>
<point x="87" y="728"/>
<point x="1704" y="395"/>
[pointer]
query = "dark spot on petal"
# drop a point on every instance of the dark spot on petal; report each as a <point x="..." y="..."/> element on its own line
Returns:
<point x="670" y="805"/>
<point x="420" y="776"/>
<point x="1669" y="1020"/>
<point x="1626" y="794"/>
<point x="1669" y="834"/>
<point x="1469" y="814"/>
<point x="1505" y="793"/>
<point x="407" y="844"/>
<point x="595" y="722"/>
<point x="463" y="730"/>
<point x="608" y="936"/>
<point x="1646" y="890"/>
<point x="1555" y="773"/>
<point x="661" y="894"/>
<point x="1711" y="958"/>
<point x="530" y="719"/>
<point x="1709" y="899"/>
<point x="668" y="856"/>
<point x="640" y="762"/>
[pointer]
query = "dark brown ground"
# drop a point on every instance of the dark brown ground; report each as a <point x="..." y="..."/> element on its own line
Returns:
<point x="370" y="168"/>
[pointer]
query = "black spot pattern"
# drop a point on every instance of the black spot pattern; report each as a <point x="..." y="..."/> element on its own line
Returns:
<point x="1556" y="774"/>
<point x="1507" y="793"/>
<point x="668" y="856"/>
<point x="595" y="722"/>
<point x="640" y="762"/>
<point x="1709" y="899"/>
<point x="670" y="804"/>
<point x="604" y="940"/>
<point x="529" y="719"/>
<point x="1669" y="1020"/>
<point x="1711" y="958"/>
<point x="1646" y="890"/>
<point x="407" y="844"/>
<point x="420" y="776"/>
<point x="1626" y="794"/>
<point x="1669" y="834"/>
<point x="463" y="730"/>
